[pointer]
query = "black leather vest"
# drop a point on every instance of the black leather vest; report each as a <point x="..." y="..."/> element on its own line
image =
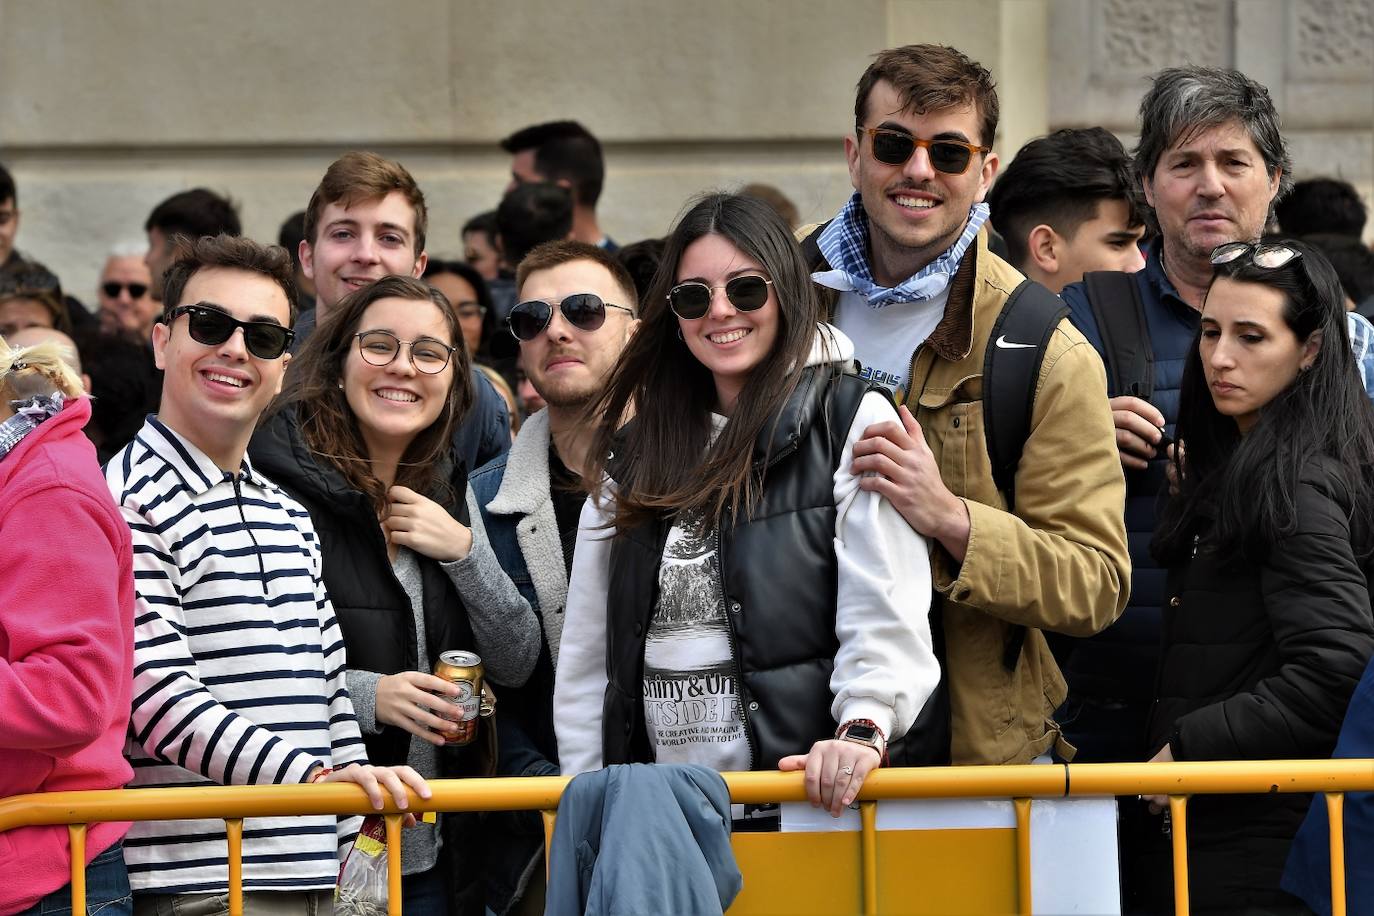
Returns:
<point x="779" y="579"/>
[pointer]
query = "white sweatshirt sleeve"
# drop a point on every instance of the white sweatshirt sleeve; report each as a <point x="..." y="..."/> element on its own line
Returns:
<point x="581" y="679"/>
<point x="886" y="668"/>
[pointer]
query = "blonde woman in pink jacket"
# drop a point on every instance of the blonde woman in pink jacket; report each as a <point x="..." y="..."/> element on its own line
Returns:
<point x="66" y="632"/>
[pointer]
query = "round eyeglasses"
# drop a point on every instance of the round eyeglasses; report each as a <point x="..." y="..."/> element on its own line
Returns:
<point x="427" y="355"/>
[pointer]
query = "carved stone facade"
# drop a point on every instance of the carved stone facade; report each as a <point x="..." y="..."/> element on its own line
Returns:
<point x="1316" y="57"/>
<point x="106" y="109"/>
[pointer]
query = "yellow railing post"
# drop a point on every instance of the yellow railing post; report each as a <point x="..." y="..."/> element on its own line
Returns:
<point x="1178" y="818"/>
<point x="233" y="831"/>
<point x="868" y="821"/>
<point x="76" y="834"/>
<point x="1335" y="817"/>
<point x="1023" y="855"/>
<point x="550" y="816"/>
<point x="393" y="864"/>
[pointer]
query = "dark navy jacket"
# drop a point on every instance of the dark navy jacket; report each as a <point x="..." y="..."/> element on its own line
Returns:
<point x="1309" y="864"/>
<point x="1114" y="670"/>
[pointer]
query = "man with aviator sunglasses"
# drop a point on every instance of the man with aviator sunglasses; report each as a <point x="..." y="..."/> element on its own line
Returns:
<point x="228" y="587"/>
<point x="575" y="316"/>
<point x="916" y="288"/>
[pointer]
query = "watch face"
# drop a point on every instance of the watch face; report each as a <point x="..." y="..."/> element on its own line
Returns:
<point x="861" y="733"/>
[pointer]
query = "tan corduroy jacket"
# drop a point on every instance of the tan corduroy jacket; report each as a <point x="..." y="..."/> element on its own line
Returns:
<point x="1060" y="562"/>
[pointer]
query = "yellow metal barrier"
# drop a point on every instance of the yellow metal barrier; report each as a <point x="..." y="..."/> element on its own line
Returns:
<point x="1022" y="784"/>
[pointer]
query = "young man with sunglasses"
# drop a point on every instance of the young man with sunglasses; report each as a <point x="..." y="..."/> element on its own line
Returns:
<point x="238" y="661"/>
<point x="575" y="315"/>
<point x="367" y="219"/>
<point x="918" y="291"/>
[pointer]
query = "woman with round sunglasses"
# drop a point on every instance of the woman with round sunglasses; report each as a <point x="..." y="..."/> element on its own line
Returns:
<point x="736" y="599"/>
<point x="361" y="437"/>
<point x="1269" y="545"/>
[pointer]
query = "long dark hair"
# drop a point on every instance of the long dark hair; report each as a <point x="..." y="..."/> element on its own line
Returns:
<point x="327" y="424"/>
<point x="668" y="463"/>
<point x="1252" y="481"/>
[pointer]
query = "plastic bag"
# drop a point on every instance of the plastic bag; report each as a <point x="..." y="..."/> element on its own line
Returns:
<point x="362" y="887"/>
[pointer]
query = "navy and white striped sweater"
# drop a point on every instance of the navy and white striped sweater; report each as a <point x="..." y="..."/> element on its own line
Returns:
<point x="238" y="665"/>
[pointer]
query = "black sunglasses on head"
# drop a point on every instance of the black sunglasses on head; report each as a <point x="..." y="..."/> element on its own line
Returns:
<point x="1263" y="255"/>
<point x="895" y="147"/>
<point x="113" y="288"/>
<point x="584" y="311"/>
<point x="692" y="300"/>
<point x="212" y="326"/>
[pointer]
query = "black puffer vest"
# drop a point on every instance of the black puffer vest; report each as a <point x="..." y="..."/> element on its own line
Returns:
<point x="778" y="575"/>
<point x="372" y="608"/>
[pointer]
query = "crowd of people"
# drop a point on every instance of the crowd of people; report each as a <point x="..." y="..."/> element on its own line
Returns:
<point x="1071" y="459"/>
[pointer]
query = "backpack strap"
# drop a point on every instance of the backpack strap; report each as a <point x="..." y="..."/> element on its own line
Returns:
<point x="1120" y="316"/>
<point x="1011" y="373"/>
<point x="811" y="249"/>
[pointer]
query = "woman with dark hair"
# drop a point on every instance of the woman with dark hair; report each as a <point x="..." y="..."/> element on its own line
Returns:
<point x="464" y="287"/>
<point x="361" y="437"/>
<point x="751" y="606"/>
<point x="1268" y="545"/>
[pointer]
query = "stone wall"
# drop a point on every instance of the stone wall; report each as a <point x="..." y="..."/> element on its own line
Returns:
<point x="106" y="109"/>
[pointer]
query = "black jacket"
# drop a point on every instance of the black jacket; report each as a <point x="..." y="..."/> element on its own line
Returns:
<point x="1258" y="662"/>
<point x="373" y="609"/>
<point x="378" y="624"/>
<point x="782" y="615"/>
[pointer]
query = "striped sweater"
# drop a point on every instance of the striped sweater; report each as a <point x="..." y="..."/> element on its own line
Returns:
<point x="238" y="665"/>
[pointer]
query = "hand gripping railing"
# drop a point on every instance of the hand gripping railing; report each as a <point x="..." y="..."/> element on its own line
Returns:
<point x="1022" y="784"/>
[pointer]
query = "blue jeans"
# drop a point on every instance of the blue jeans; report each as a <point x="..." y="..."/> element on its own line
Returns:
<point x="424" y="894"/>
<point x="107" y="889"/>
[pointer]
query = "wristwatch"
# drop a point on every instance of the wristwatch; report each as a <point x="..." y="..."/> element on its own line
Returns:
<point x="864" y="731"/>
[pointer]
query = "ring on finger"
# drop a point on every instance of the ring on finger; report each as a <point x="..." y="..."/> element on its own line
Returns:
<point x="848" y="771"/>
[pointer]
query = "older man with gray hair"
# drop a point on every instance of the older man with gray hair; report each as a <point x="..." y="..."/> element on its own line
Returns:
<point x="125" y="293"/>
<point x="1212" y="161"/>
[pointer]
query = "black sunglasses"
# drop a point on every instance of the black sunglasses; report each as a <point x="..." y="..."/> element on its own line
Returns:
<point x="584" y="311"/>
<point x="895" y="147"/>
<point x="1267" y="257"/>
<point x="212" y="326"/>
<point x="692" y="300"/>
<point x="113" y="288"/>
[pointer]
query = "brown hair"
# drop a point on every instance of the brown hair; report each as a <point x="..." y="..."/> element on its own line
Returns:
<point x="360" y="176"/>
<point x="554" y="254"/>
<point x="24" y="279"/>
<point x="670" y="463"/>
<point x="932" y="78"/>
<point x="232" y="252"/>
<point x="327" y="424"/>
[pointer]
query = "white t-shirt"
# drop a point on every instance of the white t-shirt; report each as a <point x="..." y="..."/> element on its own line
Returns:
<point x="691" y="701"/>
<point x="885" y="338"/>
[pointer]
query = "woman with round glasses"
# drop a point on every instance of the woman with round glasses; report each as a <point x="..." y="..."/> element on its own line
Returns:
<point x="1268" y="543"/>
<point x="361" y="437"/>
<point x="753" y="607"/>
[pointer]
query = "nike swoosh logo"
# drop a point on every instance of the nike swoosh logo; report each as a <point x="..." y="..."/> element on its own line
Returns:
<point x="1009" y="345"/>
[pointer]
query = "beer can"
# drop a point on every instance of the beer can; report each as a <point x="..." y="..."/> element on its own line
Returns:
<point x="465" y="670"/>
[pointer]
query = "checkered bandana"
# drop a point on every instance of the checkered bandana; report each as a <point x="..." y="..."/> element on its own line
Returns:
<point x="28" y="414"/>
<point x="845" y="245"/>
